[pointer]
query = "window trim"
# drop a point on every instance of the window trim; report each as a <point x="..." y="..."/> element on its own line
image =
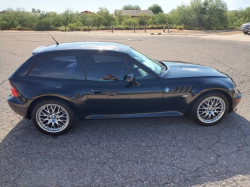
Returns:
<point x="79" y="65"/>
<point x="141" y="66"/>
<point x="103" y="53"/>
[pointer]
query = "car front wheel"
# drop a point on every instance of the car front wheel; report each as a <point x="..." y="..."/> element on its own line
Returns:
<point x="52" y="117"/>
<point x="210" y="108"/>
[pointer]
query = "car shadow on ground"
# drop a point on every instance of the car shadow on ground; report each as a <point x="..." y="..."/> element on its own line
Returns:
<point x="142" y="151"/>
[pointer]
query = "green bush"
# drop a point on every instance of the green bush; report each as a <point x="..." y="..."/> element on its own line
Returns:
<point x="102" y="28"/>
<point x="154" y="27"/>
<point x="85" y="28"/>
<point x="173" y="27"/>
<point x="119" y="27"/>
<point x="71" y="26"/>
<point x="180" y="27"/>
<point x="130" y="22"/>
<point x="128" y="28"/>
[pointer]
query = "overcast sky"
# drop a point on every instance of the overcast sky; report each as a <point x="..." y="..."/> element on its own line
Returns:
<point x="111" y="5"/>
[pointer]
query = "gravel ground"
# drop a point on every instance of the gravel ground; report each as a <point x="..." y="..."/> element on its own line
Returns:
<point x="170" y="151"/>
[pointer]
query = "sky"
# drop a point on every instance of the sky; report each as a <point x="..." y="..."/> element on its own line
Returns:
<point x="111" y="5"/>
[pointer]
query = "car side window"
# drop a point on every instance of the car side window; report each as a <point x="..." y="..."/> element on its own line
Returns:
<point x="64" y="67"/>
<point x="138" y="72"/>
<point x="105" y="67"/>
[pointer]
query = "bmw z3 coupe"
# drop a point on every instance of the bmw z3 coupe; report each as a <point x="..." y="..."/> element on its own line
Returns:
<point x="95" y="80"/>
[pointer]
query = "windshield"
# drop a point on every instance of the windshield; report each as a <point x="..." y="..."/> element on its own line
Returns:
<point x="154" y="66"/>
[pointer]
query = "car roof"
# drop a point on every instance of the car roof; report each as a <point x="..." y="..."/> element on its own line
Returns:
<point x="105" y="46"/>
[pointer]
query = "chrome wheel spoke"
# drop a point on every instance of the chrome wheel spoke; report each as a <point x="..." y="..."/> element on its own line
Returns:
<point x="211" y="109"/>
<point x="52" y="118"/>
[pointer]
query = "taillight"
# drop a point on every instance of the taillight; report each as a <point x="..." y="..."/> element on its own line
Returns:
<point x="14" y="92"/>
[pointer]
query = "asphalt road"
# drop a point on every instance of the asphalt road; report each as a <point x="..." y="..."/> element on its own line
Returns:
<point x="169" y="151"/>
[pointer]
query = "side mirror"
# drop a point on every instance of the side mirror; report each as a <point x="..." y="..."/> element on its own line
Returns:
<point x="130" y="78"/>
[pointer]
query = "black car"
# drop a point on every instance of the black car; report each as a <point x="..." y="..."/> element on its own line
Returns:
<point x="95" y="80"/>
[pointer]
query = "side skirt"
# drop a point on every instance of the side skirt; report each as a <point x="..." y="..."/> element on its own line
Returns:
<point x="139" y="115"/>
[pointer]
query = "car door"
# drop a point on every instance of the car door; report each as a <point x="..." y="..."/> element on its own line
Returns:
<point x="109" y="93"/>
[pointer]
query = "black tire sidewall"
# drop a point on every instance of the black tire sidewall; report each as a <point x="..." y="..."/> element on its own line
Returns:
<point x="61" y="103"/>
<point x="193" y="113"/>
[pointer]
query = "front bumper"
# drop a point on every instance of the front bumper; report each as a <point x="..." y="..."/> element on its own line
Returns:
<point x="17" y="106"/>
<point x="245" y="29"/>
<point x="235" y="101"/>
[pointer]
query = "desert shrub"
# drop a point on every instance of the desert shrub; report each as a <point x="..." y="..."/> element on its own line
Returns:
<point x="119" y="27"/>
<point x="128" y="28"/>
<point x="154" y="27"/>
<point x="85" y="28"/>
<point x="180" y="27"/>
<point x="130" y="22"/>
<point x="102" y="28"/>
<point x="71" y="26"/>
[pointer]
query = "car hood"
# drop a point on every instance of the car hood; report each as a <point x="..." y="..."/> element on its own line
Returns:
<point x="185" y="70"/>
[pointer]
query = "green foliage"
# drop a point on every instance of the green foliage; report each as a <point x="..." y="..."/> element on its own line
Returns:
<point x="143" y="19"/>
<point x="154" y="27"/>
<point x="180" y="27"/>
<point x="150" y="22"/>
<point x="106" y="18"/>
<point x="156" y="9"/>
<point x="71" y="26"/>
<point x="78" y="24"/>
<point x="207" y="14"/>
<point x="68" y="16"/>
<point x="86" y="28"/>
<point x="238" y="17"/>
<point x="33" y="10"/>
<point x="130" y="22"/>
<point x="119" y="27"/>
<point x="128" y="28"/>
<point x="119" y="17"/>
<point x="199" y="14"/>
<point x="102" y="28"/>
<point x="131" y="7"/>
<point x="161" y="18"/>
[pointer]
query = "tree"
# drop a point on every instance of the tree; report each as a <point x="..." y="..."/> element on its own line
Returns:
<point x="33" y="10"/>
<point x="237" y="17"/>
<point x="119" y="17"/>
<point x="207" y="14"/>
<point x="68" y="16"/>
<point x="106" y="17"/>
<point x="162" y="18"/>
<point x="156" y="9"/>
<point x="131" y="7"/>
<point x="143" y="19"/>
<point x="23" y="18"/>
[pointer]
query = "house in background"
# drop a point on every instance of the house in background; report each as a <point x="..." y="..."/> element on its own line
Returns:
<point x="134" y="13"/>
<point x="85" y="12"/>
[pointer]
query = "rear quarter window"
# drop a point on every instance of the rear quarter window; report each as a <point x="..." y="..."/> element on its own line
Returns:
<point x="64" y="67"/>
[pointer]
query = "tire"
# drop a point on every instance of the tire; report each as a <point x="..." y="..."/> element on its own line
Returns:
<point x="57" y="124"/>
<point x="245" y="32"/>
<point x="201" y="112"/>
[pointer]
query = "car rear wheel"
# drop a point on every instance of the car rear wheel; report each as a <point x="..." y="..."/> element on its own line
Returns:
<point x="52" y="117"/>
<point x="210" y="108"/>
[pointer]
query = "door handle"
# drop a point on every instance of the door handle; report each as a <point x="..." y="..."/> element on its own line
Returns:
<point x="97" y="91"/>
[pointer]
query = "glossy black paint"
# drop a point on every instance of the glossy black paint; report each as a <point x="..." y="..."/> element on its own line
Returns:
<point x="172" y="92"/>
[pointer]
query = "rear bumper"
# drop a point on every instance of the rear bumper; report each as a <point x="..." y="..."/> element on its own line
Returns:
<point x="17" y="106"/>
